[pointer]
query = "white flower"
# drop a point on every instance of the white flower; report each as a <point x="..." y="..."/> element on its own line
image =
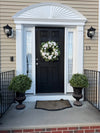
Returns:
<point x="47" y="54"/>
<point x="46" y="45"/>
<point x="54" y="43"/>
<point x="50" y="43"/>
<point x="45" y="50"/>
<point x="56" y="53"/>
<point x="52" y="53"/>
<point x="54" y="49"/>
<point x="43" y="54"/>
<point x="49" y="57"/>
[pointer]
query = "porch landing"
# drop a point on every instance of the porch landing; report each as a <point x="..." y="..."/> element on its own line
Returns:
<point x="30" y="118"/>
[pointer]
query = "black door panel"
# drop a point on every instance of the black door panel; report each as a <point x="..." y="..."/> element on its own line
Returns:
<point x="49" y="75"/>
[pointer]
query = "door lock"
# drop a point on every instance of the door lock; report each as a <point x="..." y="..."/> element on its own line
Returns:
<point x="37" y="63"/>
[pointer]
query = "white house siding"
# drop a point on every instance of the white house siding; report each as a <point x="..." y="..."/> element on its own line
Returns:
<point x="8" y="8"/>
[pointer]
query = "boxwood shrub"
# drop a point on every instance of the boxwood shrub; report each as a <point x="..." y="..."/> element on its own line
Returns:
<point x="20" y="83"/>
<point x="79" y="81"/>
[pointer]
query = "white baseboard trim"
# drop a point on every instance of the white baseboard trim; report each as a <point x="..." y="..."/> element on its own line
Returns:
<point x="31" y="97"/>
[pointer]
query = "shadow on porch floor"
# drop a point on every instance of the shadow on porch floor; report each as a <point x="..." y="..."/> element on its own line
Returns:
<point x="36" y="118"/>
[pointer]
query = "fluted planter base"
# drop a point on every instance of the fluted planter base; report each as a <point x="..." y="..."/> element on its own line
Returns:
<point x="77" y="103"/>
<point x="77" y="94"/>
<point x="20" y="106"/>
<point x="20" y="97"/>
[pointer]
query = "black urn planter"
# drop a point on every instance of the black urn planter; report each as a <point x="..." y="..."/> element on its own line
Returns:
<point x="20" y="97"/>
<point x="77" y="94"/>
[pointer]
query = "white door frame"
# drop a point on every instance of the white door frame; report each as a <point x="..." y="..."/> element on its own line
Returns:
<point x="77" y="67"/>
<point x="31" y="16"/>
<point x="29" y="29"/>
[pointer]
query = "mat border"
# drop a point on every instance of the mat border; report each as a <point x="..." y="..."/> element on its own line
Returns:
<point x="54" y="109"/>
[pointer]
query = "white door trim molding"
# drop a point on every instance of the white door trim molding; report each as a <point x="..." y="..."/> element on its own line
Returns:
<point x="19" y="49"/>
<point x="32" y="52"/>
<point x="54" y="15"/>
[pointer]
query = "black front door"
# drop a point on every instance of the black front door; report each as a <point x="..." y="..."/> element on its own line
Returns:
<point x="49" y="75"/>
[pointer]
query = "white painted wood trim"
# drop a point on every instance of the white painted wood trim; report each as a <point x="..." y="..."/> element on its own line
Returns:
<point x="32" y="30"/>
<point x="74" y="47"/>
<point x="77" y="24"/>
<point x="43" y="97"/>
<point x="67" y="87"/>
<point x="34" y="62"/>
<point x="65" y="62"/>
<point x="19" y="49"/>
<point x="52" y="22"/>
<point x="77" y="54"/>
<point x="53" y="14"/>
<point x="55" y="11"/>
<point x="79" y="50"/>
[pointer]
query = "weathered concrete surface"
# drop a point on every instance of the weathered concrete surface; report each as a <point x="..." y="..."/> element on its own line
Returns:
<point x="37" y="118"/>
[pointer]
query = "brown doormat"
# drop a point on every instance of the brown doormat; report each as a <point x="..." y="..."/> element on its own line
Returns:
<point x="53" y="105"/>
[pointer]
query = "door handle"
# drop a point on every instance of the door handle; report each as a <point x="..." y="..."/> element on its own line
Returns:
<point x="37" y="63"/>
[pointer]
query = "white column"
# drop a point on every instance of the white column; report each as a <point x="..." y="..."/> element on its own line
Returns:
<point x="19" y="49"/>
<point x="79" y="50"/>
<point x="66" y="61"/>
<point x="33" y="62"/>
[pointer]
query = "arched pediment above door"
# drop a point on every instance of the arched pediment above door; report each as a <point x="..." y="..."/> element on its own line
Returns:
<point x="49" y="15"/>
<point x="52" y="12"/>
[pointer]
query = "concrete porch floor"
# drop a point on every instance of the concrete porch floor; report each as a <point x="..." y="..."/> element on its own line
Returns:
<point x="37" y="118"/>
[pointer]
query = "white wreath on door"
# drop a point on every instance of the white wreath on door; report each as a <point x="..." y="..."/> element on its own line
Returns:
<point x="49" y="51"/>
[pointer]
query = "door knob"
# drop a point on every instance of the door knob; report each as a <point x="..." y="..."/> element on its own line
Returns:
<point x="37" y="64"/>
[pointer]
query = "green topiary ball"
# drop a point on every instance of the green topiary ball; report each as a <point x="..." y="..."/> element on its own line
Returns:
<point x="20" y="83"/>
<point x="79" y="81"/>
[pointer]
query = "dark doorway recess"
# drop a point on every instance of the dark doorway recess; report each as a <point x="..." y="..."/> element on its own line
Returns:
<point x="49" y="75"/>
